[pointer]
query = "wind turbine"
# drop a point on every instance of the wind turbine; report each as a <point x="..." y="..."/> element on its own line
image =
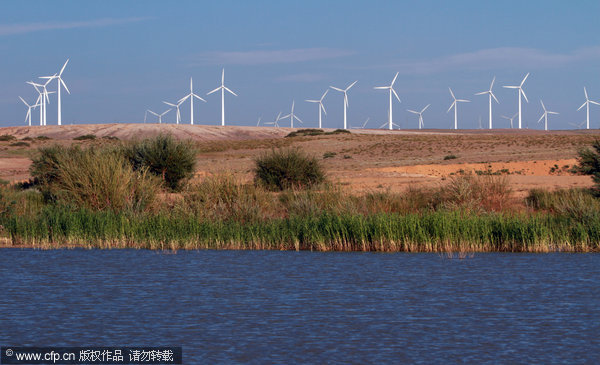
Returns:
<point x="345" y="91"/>
<point x="587" y="105"/>
<point x="222" y="88"/>
<point x="44" y="97"/>
<point x="191" y="95"/>
<point x="178" y="114"/>
<point x="520" y="92"/>
<point x="275" y="123"/>
<point x="363" y="125"/>
<point x="578" y="126"/>
<point x="510" y="118"/>
<point x="258" y="121"/>
<point x="491" y="95"/>
<point x="420" y="114"/>
<point x="60" y="82"/>
<point x="392" y="91"/>
<point x="159" y="115"/>
<point x="455" y="106"/>
<point x="321" y="107"/>
<point x="545" y="116"/>
<point x="292" y="116"/>
<point x="29" y="107"/>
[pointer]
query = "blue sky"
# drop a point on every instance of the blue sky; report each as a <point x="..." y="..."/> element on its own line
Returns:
<point x="129" y="56"/>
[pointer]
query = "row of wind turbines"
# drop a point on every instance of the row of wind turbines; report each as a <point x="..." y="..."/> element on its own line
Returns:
<point x="43" y="99"/>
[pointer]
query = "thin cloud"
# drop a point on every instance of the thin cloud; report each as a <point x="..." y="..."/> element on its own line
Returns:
<point x="259" y="57"/>
<point x="494" y="58"/>
<point x="11" y="29"/>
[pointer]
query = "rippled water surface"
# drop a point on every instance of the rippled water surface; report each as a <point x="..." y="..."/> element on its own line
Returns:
<point x="303" y="307"/>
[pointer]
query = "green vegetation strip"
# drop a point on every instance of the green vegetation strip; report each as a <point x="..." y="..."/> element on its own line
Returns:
<point x="450" y="231"/>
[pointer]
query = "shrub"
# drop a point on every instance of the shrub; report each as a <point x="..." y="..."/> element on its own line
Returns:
<point x="20" y="144"/>
<point x="97" y="179"/>
<point x="589" y="164"/>
<point x="329" y="155"/>
<point x="7" y="137"/>
<point x="173" y="161"/>
<point x="111" y="138"/>
<point x="450" y="157"/>
<point x="286" y="169"/>
<point x="85" y="137"/>
<point x="576" y="203"/>
<point x="223" y="198"/>
<point x="42" y="138"/>
<point x="475" y="193"/>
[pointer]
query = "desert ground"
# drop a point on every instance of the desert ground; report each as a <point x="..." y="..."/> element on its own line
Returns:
<point x="364" y="160"/>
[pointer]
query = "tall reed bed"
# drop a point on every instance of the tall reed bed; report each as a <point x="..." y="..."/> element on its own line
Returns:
<point x="431" y="231"/>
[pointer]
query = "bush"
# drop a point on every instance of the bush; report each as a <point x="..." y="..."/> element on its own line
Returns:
<point x="589" y="164"/>
<point x="20" y="144"/>
<point x="576" y="203"/>
<point x="7" y="137"/>
<point x="42" y="138"/>
<point x="97" y="179"/>
<point x="173" y="161"/>
<point x="475" y="193"/>
<point x="286" y="169"/>
<point x="85" y="137"/>
<point x="450" y="157"/>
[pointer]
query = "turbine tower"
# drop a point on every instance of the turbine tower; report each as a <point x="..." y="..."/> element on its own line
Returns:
<point x="191" y="95"/>
<point x="292" y="116"/>
<point x="178" y="114"/>
<point x="545" y="116"/>
<point x="491" y="95"/>
<point x="420" y="114"/>
<point x="321" y="106"/>
<point x="345" y="91"/>
<point x="29" y="107"/>
<point x="587" y="105"/>
<point x="520" y="92"/>
<point x="391" y="91"/>
<point x="510" y="118"/>
<point x="455" y="106"/>
<point x="222" y="88"/>
<point x="60" y="82"/>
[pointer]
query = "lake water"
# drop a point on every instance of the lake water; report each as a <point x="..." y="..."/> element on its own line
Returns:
<point x="303" y="307"/>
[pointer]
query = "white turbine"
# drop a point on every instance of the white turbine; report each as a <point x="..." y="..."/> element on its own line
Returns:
<point x="455" y="106"/>
<point x="292" y="116"/>
<point x="345" y="91"/>
<point x="258" y="122"/>
<point x="420" y="114"/>
<point x="511" y="119"/>
<point x="321" y="106"/>
<point x="363" y="125"/>
<point x="491" y="95"/>
<point x="520" y="92"/>
<point x="275" y="123"/>
<point x="545" y="116"/>
<point x="222" y="88"/>
<point x="159" y="115"/>
<point x="178" y="114"/>
<point x="60" y="82"/>
<point x="191" y="96"/>
<point x="578" y="126"/>
<point x="587" y="105"/>
<point x="29" y="107"/>
<point x="391" y="91"/>
<point x="44" y="97"/>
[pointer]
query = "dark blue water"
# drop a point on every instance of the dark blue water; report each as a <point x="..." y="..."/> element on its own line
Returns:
<point x="290" y="307"/>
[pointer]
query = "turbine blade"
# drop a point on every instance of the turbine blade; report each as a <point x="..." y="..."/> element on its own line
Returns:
<point x="197" y="97"/>
<point x="335" y="88"/>
<point x="412" y="111"/>
<point x="427" y="106"/>
<point x="313" y="101"/>
<point x="543" y="106"/>
<point x="24" y="102"/>
<point x="464" y="100"/>
<point x="63" y="68"/>
<point x="394" y="80"/>
<point x="223" y="77"/>
<point x="352" y="84"/>
<point x="396" y="95"/>
<point x="451" y="93"/>
<point x="525" y="78"/>
<point x="594" y="102"/>
<point x="525" y="96"/>
<point x="585" y="92"/>
<point x="183" y="99"/>
<point x="166" y="102"/>
<point x="492" y="84"/>
<point x="494" y="96"/>
<point x="582" y="105"/>
<point x="226" y="88"/>
<point x="542" y="117"/>
<point x="215" y="90"/>
<point x="451" y="106"/>
<point x="325" y="93"/>
<point x="65" y="85"/>
<point x="553" y="113"/>
<point x="511" y="87"/>
<point x="482" y="93"/>
<point x="323" y="107"/>
<point x="381" y="87"/>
